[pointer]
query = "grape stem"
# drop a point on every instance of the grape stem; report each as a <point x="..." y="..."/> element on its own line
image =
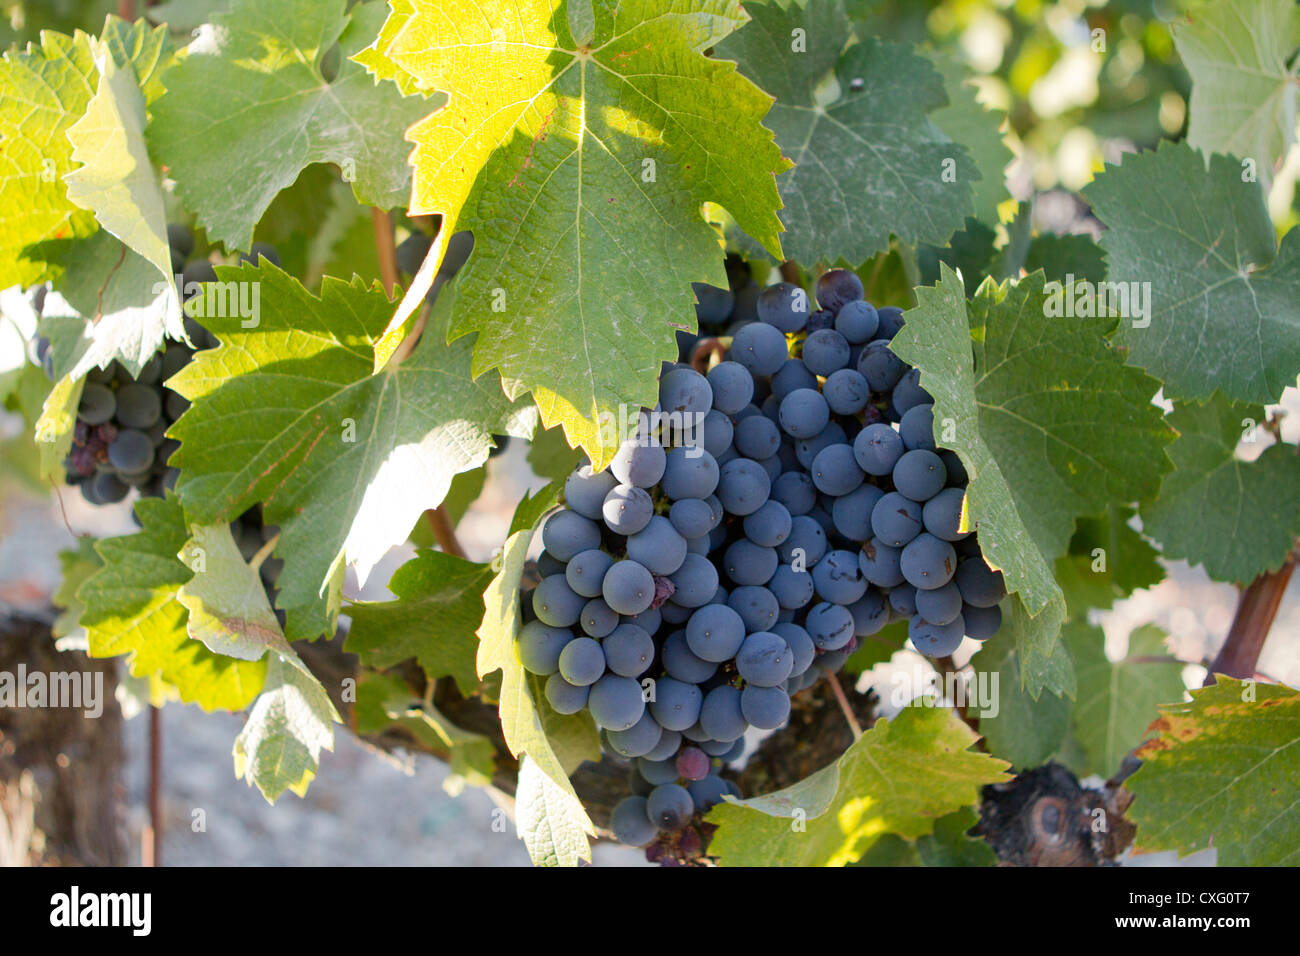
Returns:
<point x="1256" y="608"/>
<point x="126" y="10"/>
<point x="790" y="271"/>
<point x="843" y="701"/>
<point x="443" y="532"/>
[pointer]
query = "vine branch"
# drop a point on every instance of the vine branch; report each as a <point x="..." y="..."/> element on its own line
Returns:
<point x="1256" y="609"/>
<point x="386" y="247"/>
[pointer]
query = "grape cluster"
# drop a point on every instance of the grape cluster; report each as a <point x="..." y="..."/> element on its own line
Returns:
<point x="752" y="528"/>
<point x="119" y="439"/>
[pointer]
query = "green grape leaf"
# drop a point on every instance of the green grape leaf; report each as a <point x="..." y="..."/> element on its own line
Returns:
<point x="965" y="121"/>
<point x="869" y="163"/>
<point x="256" y="79"/>
<point x="900" y="777"/>
<point x="75" y="567"/>
<point x="970" y="251"/>
<point x="1237" y="518"/>
<point x="1107" y="560"/>
<point x="1118" y="700"/>
<point x="550" y="457"/>
<point x="132" y="608"/>
<point x="229" y="610"/>
<point x="581" y="169"/>
<point x="344" y="461"/>
<point x="1048" y="421"/>
<point x="1243" y="91"/>
<point x="1063" y="256"/>
<point x="118" y="184"/>
<point x="439" y="606"/>
<point x="291" y="722"/>
<point x="43" y="92"/>
<point x="1220" y="771"/>
<point x="948" y="845"/>
<point x="1021" y="728"/>
<point x="1222" y="302"/>
<point x="551" y="819"/>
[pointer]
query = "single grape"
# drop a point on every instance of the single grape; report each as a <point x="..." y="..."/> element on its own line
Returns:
<point x="769" y="525"/>
<point x="628" y="587"/>
<point x="806" y="543"/>
<point x="935" y="640"/>
<point x="657" y="771"/>
<point x="908" y="393"/>
<point x="668" y="745"/>
<point x="766" y="708"/>
<point x="795" y="490"/>
<point x="783" y="305"/>
<point x="131" y="450"/>
<point x="540" y="645"/>
<point x="804" y="413"/>
<point x="835" y="470"/>
<point x="108" y="488"/>
<point x="870" y="613"/>
<point x="903" y="599"/>
<point x="682" y="663"/>
<point x="721" y="716"/>
<point x="836" y="288"/>
<point x="764" y="659"/>
<point x="548" y="564"/>
<point x="627" y="509"/>
<point x="896" y="519"/>
<point x="689" y="473"/>
<point x="838" y="578"/>
<point x="851" y="513"/>
<point x="712" y="305"/>
<point x="733" y="387"/>
<point x="939" y="605"/>
<point x="829" y="625"/>
<point x="747" y="563"/>
<point x="631" y="822"/>
<point x="639" y="462"/>
<point x="716" y="433"/>
<point x="793" y="589"/>
<point x="846" y="392"/>
<point x="566" y="533"/>
<point x="928" y="562"/>
<point x="585" y="491"/>
<point x="586" y="571"/>
<point x="880" y="366"/>
<point x="941" y="515"/>
<point x="920" y="475"/>
<point x="676" y="704"/>
<point x="686" y="392"/>
<point x="707" y="792"/>
<point x="98" y="404"/>
<point x="981" y="622"/>
<point x="695" y="581"/>
<point x="715" y="633"/>
<point x="757" y="437"/>
<point x="658" y="546"/>
<point x="637" y="740"/>
<point x="598" y="619"/>
<point x="692" y="517"/>
<point x="556" y="603"/>
<point x="670" y="806"/>
<point x="759" y="347"/>
<point x="825" y="351"/>
<point x="857" y="321"/>
<point x="877" y="449"/>
<point x="629" y="650"/>
<point x="615" y="702"/>
<point x="565" y="698"/>
<point x="916" y="428"/>
<point x="757" y="607"/>
<point x="891" y="320"/>
<point x="980" y="585"/>
<point x="743" y="486"/>
<point x="879" y="563"/>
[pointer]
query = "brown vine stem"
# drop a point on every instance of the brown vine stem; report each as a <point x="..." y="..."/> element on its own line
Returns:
<point x="1256" y="609"/>
<point x="386" y="246"/>
<point x="790" y="271"/>
<point x="151" y="838"/>
<point x="126" y="9"/>
<point x="843" y="701"/>
<point x="443" y="532"/>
